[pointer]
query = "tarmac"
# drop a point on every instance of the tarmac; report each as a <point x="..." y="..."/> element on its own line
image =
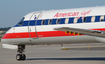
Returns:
<point x="52" y="54"/>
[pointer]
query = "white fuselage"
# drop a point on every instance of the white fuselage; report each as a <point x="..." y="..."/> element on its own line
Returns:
<point x="38" y="27"/>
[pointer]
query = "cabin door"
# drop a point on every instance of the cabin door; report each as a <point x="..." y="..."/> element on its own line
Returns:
<point x="32" y="24"/>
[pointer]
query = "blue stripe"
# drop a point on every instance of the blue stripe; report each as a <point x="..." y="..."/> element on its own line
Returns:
<point x="79" y="20"/>
<point x="54" y="21"/>
<point x="71" y="20"/>
<point x="62" y="21"/>
<point x="38" y="22"/>
<point x="32" y="23"/>
<point x="88" y="19"/>
<point x="97" y="19"/>
<point x="46" y="21"/>
<point x="104" y="18"/>
<point x="25" y="23"/>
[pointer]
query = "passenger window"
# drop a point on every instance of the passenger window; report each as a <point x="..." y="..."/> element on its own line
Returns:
<point x="93" y="19"/>
<point x="84" y="19"/>
<point x="50" y="21"/>
<point x="75" y="20"/>
<point x="102" y="18"/>
<point x="21" y="22"/>
<point x="43" y="22"/>
<point x="66" y="20"/>
<point x="58" y="21"/>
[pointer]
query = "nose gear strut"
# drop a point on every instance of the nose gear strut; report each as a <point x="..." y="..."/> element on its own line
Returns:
<point x="21" y="56"/>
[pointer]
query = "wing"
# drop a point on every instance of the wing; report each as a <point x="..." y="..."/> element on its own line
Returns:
<point x="82" y="31"/>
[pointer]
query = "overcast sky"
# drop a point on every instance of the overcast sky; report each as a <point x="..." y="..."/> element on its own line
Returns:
<point x="11" y="11"/>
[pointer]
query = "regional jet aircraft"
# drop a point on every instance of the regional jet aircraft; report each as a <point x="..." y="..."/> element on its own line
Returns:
<point x="66" y="26"/>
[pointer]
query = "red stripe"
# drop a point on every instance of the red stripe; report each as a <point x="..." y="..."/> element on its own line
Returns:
<point x="40" y="34"/>
<point x="33" y="34"/>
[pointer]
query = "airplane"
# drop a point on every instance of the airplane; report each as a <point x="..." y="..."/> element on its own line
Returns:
<point x="64" y="26"/>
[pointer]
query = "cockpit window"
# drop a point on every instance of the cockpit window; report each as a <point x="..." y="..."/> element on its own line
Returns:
<point x="21" y="21"/>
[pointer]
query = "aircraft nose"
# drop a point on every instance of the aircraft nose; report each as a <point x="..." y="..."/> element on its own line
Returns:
<point x="3" y="38"/>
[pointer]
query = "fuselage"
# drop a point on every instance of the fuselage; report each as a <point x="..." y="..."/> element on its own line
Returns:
<point x="38" y="27"/>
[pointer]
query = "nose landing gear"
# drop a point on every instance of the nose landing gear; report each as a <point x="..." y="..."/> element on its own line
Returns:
<point x="21" y="56"/>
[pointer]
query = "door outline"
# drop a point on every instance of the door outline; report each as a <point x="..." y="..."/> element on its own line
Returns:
<point x="35" y="25"/>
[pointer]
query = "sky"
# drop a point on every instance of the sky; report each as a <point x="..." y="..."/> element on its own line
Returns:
<point x="12" y="11"/>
